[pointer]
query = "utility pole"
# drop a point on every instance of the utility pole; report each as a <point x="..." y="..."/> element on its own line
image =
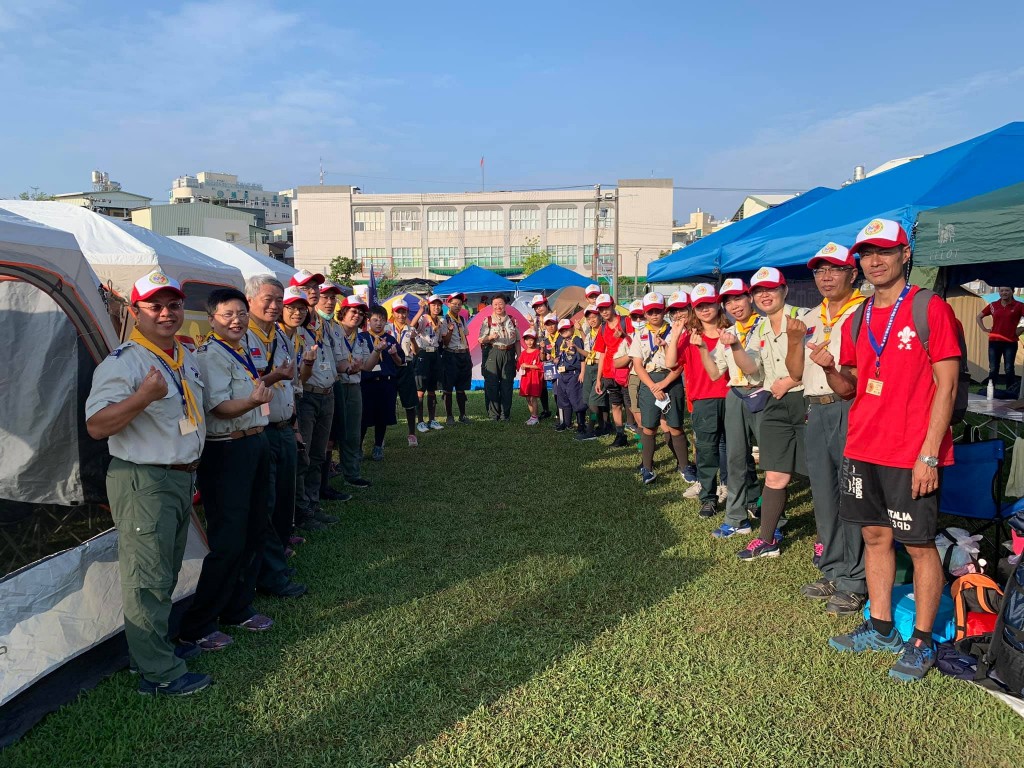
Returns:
<point x="615" y="295"/>
<point x="597" y="223"/>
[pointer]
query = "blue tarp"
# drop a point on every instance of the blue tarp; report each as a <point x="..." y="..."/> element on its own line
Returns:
<point x="704" y="256"/>
<point x="474" y="279"/>
<point x="551" y="278"/>
<point x="974" y="167"/>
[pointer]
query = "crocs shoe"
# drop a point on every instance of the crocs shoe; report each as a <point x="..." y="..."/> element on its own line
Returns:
<point x="913" y="664"/>
<point x="726" y="531"/>
<point x="759" y="548"/>
<point x="867" y="638"/>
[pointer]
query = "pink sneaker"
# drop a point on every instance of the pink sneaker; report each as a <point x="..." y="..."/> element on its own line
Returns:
<point x="819" y="550"/>
<point x="413" y="442"/>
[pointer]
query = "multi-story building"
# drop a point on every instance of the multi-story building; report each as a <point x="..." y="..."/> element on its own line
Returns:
<point x="438" y="234"/>
<point x="232" y="225"/>
<point x="226" y="189"/>
<point x="754" y="204"/>
<point x="701" y="224"/>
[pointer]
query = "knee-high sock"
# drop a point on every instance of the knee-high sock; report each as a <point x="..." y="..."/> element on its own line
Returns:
<point x="647" y="449"/>
<point x="432" y="405"/>
<point x="378" y="434"/>
<point x="419" y="407"/>
<point x="410" y="417"/>
<point x="581" y="420"/>
<point x="448" y="404"/>
<point x="773" y="504"/>
<point x="681" y="448"/>
<point x="460" y="398"/>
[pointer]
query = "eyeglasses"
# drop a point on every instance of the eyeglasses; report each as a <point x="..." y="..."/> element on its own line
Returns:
<point x="229" y="317"/>
<point x="174" y="306"/>
<point x="826" y="271"/>
<point x="297" y="308"/>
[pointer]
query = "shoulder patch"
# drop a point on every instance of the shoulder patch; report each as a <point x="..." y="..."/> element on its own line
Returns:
<point x="118" y="350"/>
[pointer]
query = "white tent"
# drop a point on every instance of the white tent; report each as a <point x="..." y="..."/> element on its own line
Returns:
<point x="246" y="260"/>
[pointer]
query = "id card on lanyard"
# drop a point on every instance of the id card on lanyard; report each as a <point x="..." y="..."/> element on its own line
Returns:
<point x="250" y="367"/>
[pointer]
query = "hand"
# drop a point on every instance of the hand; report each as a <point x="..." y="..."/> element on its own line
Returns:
<point x="924" y="480"/>
<point x="598" y="390"/>
<point x="261" y="394"/>
<point x="781" y="387"/>
<point x="658" y="392"/>
<point x="821" y="356"/>
<point x="728" y="338"/>
<point x="380" y="345"/>
<point x="696" y="339"/>
<point x="153" y="386"/>
<point x="618" y="331"/>
<point x="795" y="331"/>
<point x="286" y="371"/>
<point x="679" y="324"/>
<point x="580" y="377"/>
<point x="309" y="356"/>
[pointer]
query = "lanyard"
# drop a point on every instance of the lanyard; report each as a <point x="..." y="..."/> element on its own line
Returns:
<point x="246" y="362"/>
<point x="827" y="322"/>
<point x="179" y="383"/>
<point x="875" y="345"/>
<point x="650" y="338"/>
<point x="351" y="347"/>
<point x="743" y="333"/>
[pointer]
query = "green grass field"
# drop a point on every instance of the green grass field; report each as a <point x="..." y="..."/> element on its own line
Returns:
<point x="504" y="596"/>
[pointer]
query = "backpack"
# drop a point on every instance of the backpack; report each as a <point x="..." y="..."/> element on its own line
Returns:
<point x="974" y="593"/>
<point x="919" y="317"/>
<point x="1005" y="656"/>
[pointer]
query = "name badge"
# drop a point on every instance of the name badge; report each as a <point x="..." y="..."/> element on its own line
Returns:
<point x="324" y="366"/>
<point x="265" y="409"/>
<point x="874" y="387"/>
<point x="186" y="427"/>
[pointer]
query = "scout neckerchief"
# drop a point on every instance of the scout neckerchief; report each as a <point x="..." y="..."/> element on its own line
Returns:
<point x="350" y="345"/>
<point x="828" y="320"/>
<point x="269" y="340"/>
<point x="565" y="350"/>
<point x="651" y="333"/>
<point x="317" y="330"/>
<point x="431" y="329"/>
<point x="245" y="360"/>
<point x="743" y="329"/>
<point x="459" y="334"/>
<point x="300" y="340"/>
<point x="401" y="331"/>
<point x="879" y="347"/>
<point x="189" y="407"/>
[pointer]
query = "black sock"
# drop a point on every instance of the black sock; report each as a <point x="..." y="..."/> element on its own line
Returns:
<point x="448" y="404"/>
<point x="773" y="504"/>
<point x="680" y="448"/>
<point x="581" y="420"/>
<point x="882" y="627"/>
<point x="647" y="449"/>
<point x="460" y="398"/>
<point x="419" y="409"/>
<point x="410" y="417"/>
<point x="378" y="434"/>
<point x="923" y="635"/>
<point x="432" y="406"/>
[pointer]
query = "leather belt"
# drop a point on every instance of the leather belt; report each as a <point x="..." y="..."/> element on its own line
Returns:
<point x="286" y="424"/>
<point x="235" y="435"/>
<point x="178" y="467"/>
<point x="317" y="390"/>
<point x="822" y="399"/>
<point x="428" y="349"/>
<point x="503" y="347"/>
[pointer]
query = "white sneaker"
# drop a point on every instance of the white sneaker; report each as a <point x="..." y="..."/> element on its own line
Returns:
<point x="413" y="442"/>
<point x="723" y="494"/>
<point x="532" y="421"/>
<point x="692" y="492"/>
<point x="422" y="427"/>
<point x="436" y="425"/>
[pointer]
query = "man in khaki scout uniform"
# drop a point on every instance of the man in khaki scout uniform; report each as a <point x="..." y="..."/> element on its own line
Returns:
<point x="456" y="363"/>
<point x="355" y="357"/>
<point x="146" y="398"/>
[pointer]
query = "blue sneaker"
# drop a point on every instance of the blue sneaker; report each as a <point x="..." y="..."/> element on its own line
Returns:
<point x="690" y="473"/>
<point x="759" y="548"/>
<point x="186" y="685"/>
<point x="726" y="531"/>
<point x="647" y="475"/>
<point x="867" y="638"/>
<point x="915" y="661"/>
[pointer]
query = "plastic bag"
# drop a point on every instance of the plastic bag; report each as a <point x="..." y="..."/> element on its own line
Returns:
<point x="1015" y="482"/>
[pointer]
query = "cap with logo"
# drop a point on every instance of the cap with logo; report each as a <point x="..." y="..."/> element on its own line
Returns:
<point x="590" y="310"/>
<point x="434" y="297"/>
<point x="592" y="290"/>
<point x="550" y="319"/>
<point x="304" y="277"/>
<point x="679" y="300"/>
<point x="653" y="300"/>
<point x="530" y="333"/>
<point x="564" y="323"/>
<point x="734" y="286"/>
<point x="293" y="294"/>
<point x="353" y="301"/>
<point x="152" y="283"/>
<point x="767" y="277"/>
<point x="603" y="300"/>
<point x="537" y="300"/>
<point x="328" y="287"/>
<point x="459" y="296"/>
<point x="833" y="253"/>
<point x="703" y="293"/>
<point x="636" y="307"/>
<point x="399" y="304"/>
<point x="885" y="233"/>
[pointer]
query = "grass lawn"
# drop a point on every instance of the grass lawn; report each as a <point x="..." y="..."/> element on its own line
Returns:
<point x="504" y="596"/>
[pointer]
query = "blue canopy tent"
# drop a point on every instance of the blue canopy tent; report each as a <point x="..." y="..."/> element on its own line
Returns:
<point x="551" y="278"/>
<point x="703" y="257"/>
<point x="474" y="279"/>
<point x="976" y="166"/>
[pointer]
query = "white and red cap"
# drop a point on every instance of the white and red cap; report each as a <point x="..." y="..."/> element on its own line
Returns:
<point x="399" y="304"/>
<point x="328" y="287"/>
<point x="835" y="254"/>
<point x="564" y="323"/>
<point x="767" y="277"/>
<point x="603" y="300"/>
<point x="550" y="318"/>
<point x="885" y="233"/>
<point x="304" y="277"/>
<point x="292" y="294"/>
<point x="703" y="293"/>
<point x="678" y="300"/>
<point x="592" y="291"/>
<point x="653" y="300"/>
<point x="636" y="307"/>
<point x="434" y="297"/>
<point x="733" y="286"/>
<point x="537" y="300"/>
<point x="460" y="296"/>
<point x="590" y="310"/>
<point x="152" y="283"/>
<point x="530" y="332"/>
<point x="353" y="302"/>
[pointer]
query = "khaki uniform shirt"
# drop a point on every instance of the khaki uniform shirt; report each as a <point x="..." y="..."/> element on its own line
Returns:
<point x="404" y="339"/>
<point x="589" y="337"/>
<point x="726" y="361"/>
<point x="427" y="338"/>
<point x="333" y="334"/>
<point x="282" y="407"/>
<point x="643" y="347"/>
<point x="815" y="383"/>
<point x="354" y="350"/>
<point x="325" y="369"/>
<point x="508" y="334"/>
<point x="773" y="348"/>
<point x="458" y="341"/>
<point x="226" y="379"/>
<point x="154" y="435"/>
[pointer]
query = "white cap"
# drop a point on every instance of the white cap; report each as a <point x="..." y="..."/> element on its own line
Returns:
<point x="538" y="299"/>
<point x="530" y="332"/>
<point x="679" y="300"/>
<point x="354" y="301"/>
<point x="885" y="233"/>
<point x="734" y="286"/>
<point x="293" y="294"/>
<point x="304" y="277"/>
<point x="328" y="287"/>
<point x="564" y="323"/>
<point x="767" y="277"/>
<point x="653" y="300"/>
<point x="152" y="283"/>
<point x="703" y="293"/>
<point x="591" y="309"/>
<point x="603" y="300"/>
<point x="592" y="290"/>
<point x="399" y="304"/>
<point x="636" y="307"/>
<point x="434" y="297"/>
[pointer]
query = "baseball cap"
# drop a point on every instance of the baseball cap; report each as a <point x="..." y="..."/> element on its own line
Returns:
<point x="399" y="304"/>
<point x="734" y="286"/>
<point x="353" y="301"/>
<point x="328" y="287"/>
<point x="767" y="277"/>
<point x="678" y="300"/>
<point x="885" y="233"/>
<point x="461" y="296"/>
<point x="833" y="253"/>
<point x="304" y="277"/>
<point x="434" y="297"/>
<point x="292" y="294"/>
<point x="550" y="319"/>
<point x="653" y="300"/>
<point x="592" y="290"/>
<point x="603" y="300"/>
<point x="590" y="310"/>
<point x="703" y="293"/>
<point x="155" y="281"/>
<point x="530" y="332"/>
<point x="636" y="307"/>
<point x="537" y="300"/>
<point x="564" y="323"/>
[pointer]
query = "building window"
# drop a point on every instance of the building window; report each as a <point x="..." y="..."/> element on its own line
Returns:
<point x="364" y="254"/>
<point x="407" y="257"/>
<point x="443" y="257"/>
<point x="486" y="256"/>
<point x="563" y="254"/>
<point x="562" y="217"/>
<point x="606" y="217"/>
<point x="364" y="220"/>
<point x="484" y="218"/>
<point x="442" y="219"/>
<point x="230" y="237"/>
<point x="405" y="220"/>
<point x="517" y="254"/>
<point x="524" y="218"/>
<point x="606" y="249"/>
<point x="183" y="231"/>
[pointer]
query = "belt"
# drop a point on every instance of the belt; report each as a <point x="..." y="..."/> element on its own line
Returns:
<point x="457" y="351"/>
<point x="177" y="467"/>
<point x="503" y="347"/>
<point x="286" y="424"/>
<point x="428" y="349"/>
<point x="317" y="390"/>
<point x="822" y="399"/>
<point x="657" y="370"/>
<point x="235" y="435"/>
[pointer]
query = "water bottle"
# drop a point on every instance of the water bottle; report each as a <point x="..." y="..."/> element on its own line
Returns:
<point x="991" y="391"/>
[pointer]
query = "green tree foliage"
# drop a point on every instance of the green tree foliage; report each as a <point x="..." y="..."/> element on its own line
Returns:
<point x="342" y="270"/>
<point x="34" y="194"/>
<point x="537" y="259"/>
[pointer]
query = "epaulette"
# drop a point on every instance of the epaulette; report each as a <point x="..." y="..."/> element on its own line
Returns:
<point x="117" y="352"/>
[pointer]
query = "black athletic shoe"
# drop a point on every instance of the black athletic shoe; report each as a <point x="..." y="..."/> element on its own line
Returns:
<point x="561" y="427"/>
<point x="358" y="482"/>
<point x="332" y="495"/>
<point x="584" y="436"/>
<point x="545" y="414"/>
<point x="620" y="441"/>
<point x="708" y="509"/>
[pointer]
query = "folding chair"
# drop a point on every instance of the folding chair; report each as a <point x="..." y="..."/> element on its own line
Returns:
<point x="971" y="487"/>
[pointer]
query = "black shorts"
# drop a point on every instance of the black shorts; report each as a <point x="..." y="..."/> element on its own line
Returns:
<point x="456" y="371"/>
<point x="427" y="369"/>
<point x="406" y="382"/>
<point x="616" y="392"/>
<point x="873" y="494"/>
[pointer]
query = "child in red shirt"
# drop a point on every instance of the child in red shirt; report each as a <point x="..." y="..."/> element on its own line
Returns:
<point x="531" y="379"/>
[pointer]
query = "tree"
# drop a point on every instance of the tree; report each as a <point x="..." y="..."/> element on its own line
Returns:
<point x="537" y="259"/>
<point x="342" y="270"/>
<point x="34" y="194"/>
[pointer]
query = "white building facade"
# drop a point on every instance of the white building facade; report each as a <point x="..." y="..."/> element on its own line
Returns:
<point x="226" y="189"/>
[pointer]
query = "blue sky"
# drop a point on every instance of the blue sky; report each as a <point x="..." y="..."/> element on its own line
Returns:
<point x="406" y="97"/>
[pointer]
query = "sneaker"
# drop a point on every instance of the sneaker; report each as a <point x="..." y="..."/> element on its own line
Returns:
<point x="819" y="550"/>
<point x="867" y="638"/>
<point x="693" y="491"/>
<point x="322" y="517"/>
<point x="822" y="589"/>
<point x="450" y="421"/>
<point x="533" y="421"/>
<point x="187" y="684"/>
<point x="647" y="475"/>
<point x="215" y="641"/>
<point x="620" y="441"/>
<point x="464" y="420"/>
<point x="413" y="441"/>
<point x="759" y="548"/>
<point x="378" y="453"/>
<point x="561" y="427"/>
<point x="256" y="623"/>
<point x="913" y="664"/>
<point x="708" y="509"/>
<point x="435" y="424"/>
<point x="422" y="427"/>
<point x="332" y="495"/>
<point x="690" y="473"/>
<point x="845" y="604"/>
<point x="723" y="494"/>
<point x="726" y="531"/>
<point x="588" y="435"/>
<point x="358" y="482"/>
<point x="545" y="414"/>
<point x="310" y="524"/>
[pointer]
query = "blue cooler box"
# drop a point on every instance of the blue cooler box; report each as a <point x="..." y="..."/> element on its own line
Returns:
<point x="904" y="609"/>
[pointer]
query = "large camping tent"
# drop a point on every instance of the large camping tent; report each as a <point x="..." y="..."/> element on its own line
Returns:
<point x="246" y="260"/>
<point x="973" y="167"/>
<point x="704" y="256"/>
<point x="551" y="278"/>
<point x="474" y="279"/>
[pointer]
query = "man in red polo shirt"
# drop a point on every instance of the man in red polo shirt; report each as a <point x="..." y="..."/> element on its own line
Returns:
<point x="613" y="343"/>
<point x="1002" y="336"/>
<point x="898" y="437"/>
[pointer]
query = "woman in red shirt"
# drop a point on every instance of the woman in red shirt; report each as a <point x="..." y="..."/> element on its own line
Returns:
<point x="1002" y="336"/>
<point x="707" y="396"/>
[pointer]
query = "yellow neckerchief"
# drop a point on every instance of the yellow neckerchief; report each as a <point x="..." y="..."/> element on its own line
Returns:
<point x="266" y="338"/>
<point x="457" y="322"/>
<point x="239" y="348"/>
<point x="828" y="320"/>
<point x="192" y="411"/>
<point x="350" y="341"/>
<point x="317" y="330"/>
<point x="743" y="329"/>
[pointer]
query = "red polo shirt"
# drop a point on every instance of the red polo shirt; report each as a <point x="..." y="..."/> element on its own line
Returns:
<point x="699" y="385"/>
<point x="608" y="342"/>
<point x="1004" y="320"/>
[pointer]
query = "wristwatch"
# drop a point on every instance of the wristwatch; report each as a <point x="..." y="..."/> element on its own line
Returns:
<point x="931" y="461"/>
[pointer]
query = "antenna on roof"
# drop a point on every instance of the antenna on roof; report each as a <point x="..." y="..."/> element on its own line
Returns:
<point x="321" y="171"/>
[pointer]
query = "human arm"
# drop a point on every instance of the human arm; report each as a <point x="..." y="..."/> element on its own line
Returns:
<point x="232" y="409"/>
<point x="925" y="479"/>
<point x="796" y="331"/>
<point x="842" y="381"/>
<point x="985" y="312"/>
<point x="112" y="418"/>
